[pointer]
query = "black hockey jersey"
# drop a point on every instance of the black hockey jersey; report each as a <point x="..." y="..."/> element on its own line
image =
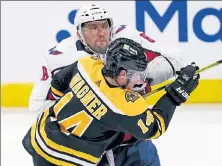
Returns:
<point x="90" y="115"/>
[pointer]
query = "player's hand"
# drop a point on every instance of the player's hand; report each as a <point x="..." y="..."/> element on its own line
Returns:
<point x="185" y="83"/>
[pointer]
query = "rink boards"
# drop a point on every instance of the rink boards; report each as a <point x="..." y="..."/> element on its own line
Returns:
<point x="208" y="91"/>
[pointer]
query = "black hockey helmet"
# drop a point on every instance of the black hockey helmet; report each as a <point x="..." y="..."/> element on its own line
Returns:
<point x="124" y="54"/>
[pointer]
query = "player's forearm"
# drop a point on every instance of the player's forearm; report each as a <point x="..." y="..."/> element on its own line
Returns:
<point x="165" y="107"/>
<point x="163" y="68"/>
<point x="157" y="123"/>
<point x="40" y="96"/>
<point x="148" y="125"/>
<point x="159" y="70"/>
<point x="172" y="54"/>
<point x="152" y="123"/>
<point x="38" y="106"/>
<point x="175" y="59"/>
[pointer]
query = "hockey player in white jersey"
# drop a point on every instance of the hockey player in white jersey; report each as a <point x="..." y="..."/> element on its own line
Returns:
<point x="95" y="30"/>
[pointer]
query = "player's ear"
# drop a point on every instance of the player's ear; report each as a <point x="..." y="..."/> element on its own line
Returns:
<point x="122" y="73"/>
<point x="122" y="77"/>
<point x="77" y="33"/>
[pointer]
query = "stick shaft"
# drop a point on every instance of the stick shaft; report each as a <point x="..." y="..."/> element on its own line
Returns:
<point x="197" y="72"/>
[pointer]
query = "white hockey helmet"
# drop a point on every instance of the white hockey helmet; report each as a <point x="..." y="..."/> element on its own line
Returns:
<point x="89" y="13"/>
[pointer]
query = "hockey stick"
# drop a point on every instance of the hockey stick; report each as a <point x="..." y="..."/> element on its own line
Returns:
<point x="197" y="72"/>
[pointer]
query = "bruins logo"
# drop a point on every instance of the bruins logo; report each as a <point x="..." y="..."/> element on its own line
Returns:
<point x="131" y="96"/>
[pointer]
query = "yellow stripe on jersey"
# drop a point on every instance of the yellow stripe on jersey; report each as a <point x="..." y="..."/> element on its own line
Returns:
<point x="62" y="148"/>
<point x="155" y="136"/>
<point x="41" y="153"/>
<point x="162" y="123"/>
<point x="64" y="100"/>
<point x="123" y="101"/>
<point x="56" y="92"/>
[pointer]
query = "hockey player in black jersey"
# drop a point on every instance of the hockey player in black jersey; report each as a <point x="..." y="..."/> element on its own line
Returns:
<point x="96" y="104"/>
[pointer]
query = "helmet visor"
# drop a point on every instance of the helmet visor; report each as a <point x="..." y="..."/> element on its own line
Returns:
<point x="138" y="77"/>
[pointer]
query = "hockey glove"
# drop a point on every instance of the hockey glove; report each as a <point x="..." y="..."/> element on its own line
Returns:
<point x="185" y="83"/>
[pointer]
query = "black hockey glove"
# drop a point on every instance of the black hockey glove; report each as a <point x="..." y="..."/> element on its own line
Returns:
<point x="185" y="83"/>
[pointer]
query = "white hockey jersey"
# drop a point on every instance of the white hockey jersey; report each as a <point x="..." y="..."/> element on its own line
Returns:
<point x="164" y="61"/>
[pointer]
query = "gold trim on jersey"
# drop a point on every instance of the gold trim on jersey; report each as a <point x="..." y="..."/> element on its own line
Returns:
<point x="155" y="136"/>
<point x="114" y="98"/>
<point x="41" y="153"/>
<point x="56" y="92"/>
<point x="162" y="123"/>
<point x="61" y="148"/>
<point x="64" y="100"/>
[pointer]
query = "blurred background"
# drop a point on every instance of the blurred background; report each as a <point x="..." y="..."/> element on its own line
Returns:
<point x="30" y="29"/>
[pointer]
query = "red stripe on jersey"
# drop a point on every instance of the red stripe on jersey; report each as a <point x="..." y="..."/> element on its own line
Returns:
<point x="55" y="53"/>
<point x="127" y="137"/>
<point x="50" y="95"/>
<point x="52" y="51"/>
<point x="147" y="38"/>
<point x="120" y="29"/>
<point x="151" y="55"/>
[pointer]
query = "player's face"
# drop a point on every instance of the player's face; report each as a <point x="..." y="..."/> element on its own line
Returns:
<point x="135" y="78"/>
<point x="97" y="35"/>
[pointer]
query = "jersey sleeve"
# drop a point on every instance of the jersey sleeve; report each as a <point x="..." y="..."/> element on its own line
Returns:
<point x="55" y="59"/>
<point x="61" y="80"/>
<point x="40" y="96"/>
<point x="150" y="124"/>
